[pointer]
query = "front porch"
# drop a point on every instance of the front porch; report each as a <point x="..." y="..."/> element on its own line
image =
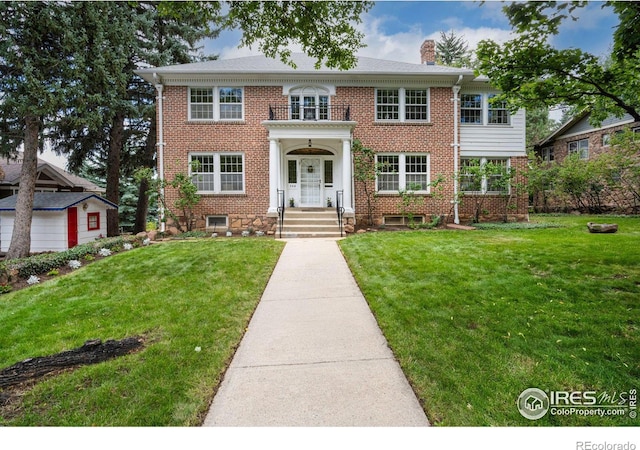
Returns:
<point x="309" y="162"/>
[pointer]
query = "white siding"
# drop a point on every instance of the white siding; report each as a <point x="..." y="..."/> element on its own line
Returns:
<point x="84" y="235"/>
<point x="493" y="140"/>
<point x="48" y="231"/>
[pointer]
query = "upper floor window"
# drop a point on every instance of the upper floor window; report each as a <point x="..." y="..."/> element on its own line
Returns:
<point x="217" y="172"/>
<point x="309" y="103"/>
<point x="402" y="104"/>
<point x="480" y="109"/>
<point x="498" y="112"/>
<point x="221" y="103"/>
<point x="580" y="147"/>
<point x="471" y="108"/>
<point x="403" y="171"/>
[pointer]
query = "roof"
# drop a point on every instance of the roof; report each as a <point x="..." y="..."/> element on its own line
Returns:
<point x="305" y="65"/>
<point x="13" y="166"/>
<point x="54" y="201"/>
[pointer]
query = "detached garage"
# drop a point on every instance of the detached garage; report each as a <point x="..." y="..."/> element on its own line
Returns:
<point x="61" y="220"/>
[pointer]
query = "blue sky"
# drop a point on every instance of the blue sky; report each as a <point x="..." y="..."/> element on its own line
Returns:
<point x="395" y="29"/>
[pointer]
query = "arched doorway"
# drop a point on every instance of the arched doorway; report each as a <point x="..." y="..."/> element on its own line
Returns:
<point x="310" y="176"/>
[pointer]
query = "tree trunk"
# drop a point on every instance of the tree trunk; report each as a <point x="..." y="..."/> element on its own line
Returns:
<point x="21" y="238"/>
<point x="143" y="196"/>
<point x="116" y="137"/>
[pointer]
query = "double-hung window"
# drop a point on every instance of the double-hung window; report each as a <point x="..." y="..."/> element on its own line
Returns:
<point x="471" y="108"/>
<point x="402" y="105"/>
<point x="483" y="175"/>
<point x="217" y="173"/>
<point x="480" y="109"/>
<point x="580" y="148"/>
<point x="498" y="112"/>
<point x="403" y="171"/>
<point x="219" y="103"/>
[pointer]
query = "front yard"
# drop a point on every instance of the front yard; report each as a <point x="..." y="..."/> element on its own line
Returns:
<point x="190" y="301"/>
<point x="477" y="317"/>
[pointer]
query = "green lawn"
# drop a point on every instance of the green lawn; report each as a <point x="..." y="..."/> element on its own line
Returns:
<point x="476" y="317"/>
<point x="178" y="295"/>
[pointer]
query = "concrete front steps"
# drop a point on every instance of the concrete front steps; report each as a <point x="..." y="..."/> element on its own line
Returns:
<point x="310" y="222"/>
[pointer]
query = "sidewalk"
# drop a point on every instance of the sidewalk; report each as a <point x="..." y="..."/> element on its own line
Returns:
<point x="313" y="354"/>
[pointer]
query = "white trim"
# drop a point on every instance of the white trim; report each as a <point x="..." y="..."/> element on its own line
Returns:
<point x="215" y="105"/>
<point x="402" y="104"/>
<point x="402" y="172"/>
<point x="217" y="182"/>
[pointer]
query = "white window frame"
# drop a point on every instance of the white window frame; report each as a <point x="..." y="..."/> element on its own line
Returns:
<point x="402" y="104"/>
<point x="217" y="181"/>
<point x="501" y="109"/>
<point x="217" y="216"/>
<point x="402" y="172"/>
<point x="216" y="105"/>
<point x="484" y="182"/>
<point x="485" y="111"/>
<point x="577" y="147"/>
<point x="319" y="110"/>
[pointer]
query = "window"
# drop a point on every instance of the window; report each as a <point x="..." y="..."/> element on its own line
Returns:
<point x="217" y="222"/>
<point x="546" y="154"/>
<point x="217" y="172"/>
<point x="479" y="109"/>
<point x="402" y="104"/>
<point x="498" y="112"/>
<point x="328" y="173"/>
<point x="230" y="103"/>
<point x="224" y="103"/>
<point x="471" y="108"/>
<point x="606" y="140"/>
<point x="416" y="104"/>
<point x="201" y="104"/>
<point x="93" y="221"/>
<point x="483" y="175"/>
<point x="387" y="104"/>
<point x="403" y="171"/>
<point x="292" y="171"/>
<point x="580" y="147"/>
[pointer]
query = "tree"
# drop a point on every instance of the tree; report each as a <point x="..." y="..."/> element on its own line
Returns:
<point x="365" y="172"/>
<point x="539" y="126"/>
<point x="530" y="72"/>
<point x="452" y="50"/>
<point x="35" y="81"/>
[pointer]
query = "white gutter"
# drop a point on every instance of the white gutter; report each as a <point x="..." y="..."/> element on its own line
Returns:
<point x="160" y="144"/>
<point x="456" y="147"/>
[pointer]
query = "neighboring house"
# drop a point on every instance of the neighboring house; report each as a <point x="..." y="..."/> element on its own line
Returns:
<point x="264" y="134"/>
<point x="580" y="137"/>
<point x="61" y="220"/>
<point x="50" y="178"/>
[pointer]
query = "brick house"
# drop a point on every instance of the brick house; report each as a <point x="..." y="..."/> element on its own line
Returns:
<point x="579" y="136"/>
<point x="265" y="134"/>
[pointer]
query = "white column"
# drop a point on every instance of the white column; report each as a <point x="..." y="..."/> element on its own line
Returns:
<point x="347" y="182"/>
<point x="274" y="175"/>
<point x="160" y="146"/>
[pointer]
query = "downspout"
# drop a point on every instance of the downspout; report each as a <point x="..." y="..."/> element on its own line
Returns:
<point x="160" y="145"/>
<point x="456" y="147"/>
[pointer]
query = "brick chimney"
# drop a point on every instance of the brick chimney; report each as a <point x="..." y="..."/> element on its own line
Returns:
<point x="428" y="52"/>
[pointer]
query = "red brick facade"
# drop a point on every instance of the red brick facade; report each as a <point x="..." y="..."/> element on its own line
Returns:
<point x="249" y="136"/>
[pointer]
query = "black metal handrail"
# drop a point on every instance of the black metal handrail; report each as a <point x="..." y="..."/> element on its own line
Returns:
<point x="340" y="210"/>
<point x="280" y="211"/>
<point x="310" y="113"/>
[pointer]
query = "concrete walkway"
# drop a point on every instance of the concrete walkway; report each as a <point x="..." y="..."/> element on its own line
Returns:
<point x="313" y="354"/>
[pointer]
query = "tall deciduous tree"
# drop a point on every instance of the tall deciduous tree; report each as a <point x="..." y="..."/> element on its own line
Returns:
<point x="530" y="71"/>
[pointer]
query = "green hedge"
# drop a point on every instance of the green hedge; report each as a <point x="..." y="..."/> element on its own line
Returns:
<point x="44" y="262"/>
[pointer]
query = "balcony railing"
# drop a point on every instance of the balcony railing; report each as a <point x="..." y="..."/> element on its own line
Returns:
<point x="311" y="113"/>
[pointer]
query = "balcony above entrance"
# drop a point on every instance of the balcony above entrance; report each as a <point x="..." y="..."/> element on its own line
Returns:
<point x="321" y="112"/>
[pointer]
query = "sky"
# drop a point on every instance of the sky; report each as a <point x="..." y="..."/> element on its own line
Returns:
<point x="394" y="30"/>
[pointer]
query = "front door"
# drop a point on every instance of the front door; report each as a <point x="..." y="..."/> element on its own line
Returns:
<point x="310" y="182"/>
<point x="72" y="227"/>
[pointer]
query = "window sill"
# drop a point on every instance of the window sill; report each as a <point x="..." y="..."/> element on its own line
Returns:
<point x="221" y="194"/>
<point x="399" y="123"/>
<point x="212" y="121"/>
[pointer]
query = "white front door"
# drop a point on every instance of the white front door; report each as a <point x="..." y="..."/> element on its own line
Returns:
<point x="310" y="182"/>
